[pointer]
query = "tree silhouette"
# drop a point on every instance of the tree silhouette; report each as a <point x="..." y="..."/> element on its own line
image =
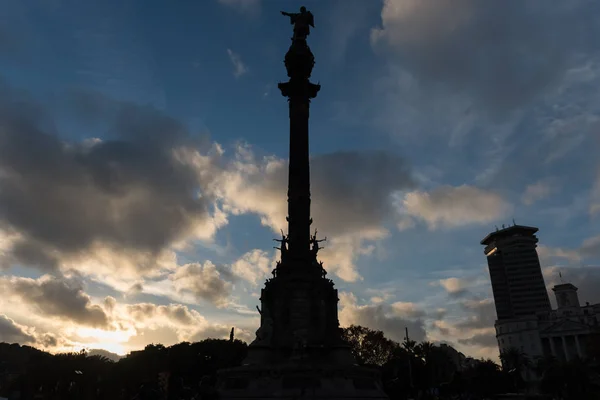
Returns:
<point x="575" y="379"/>
<point x="186" y="371"/>
<point x="517" y="364"/>
<point x="369" y="347"/>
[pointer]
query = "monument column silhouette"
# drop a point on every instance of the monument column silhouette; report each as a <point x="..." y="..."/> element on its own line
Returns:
<point x="299" y="347"/>
<point x="299" y="62"/>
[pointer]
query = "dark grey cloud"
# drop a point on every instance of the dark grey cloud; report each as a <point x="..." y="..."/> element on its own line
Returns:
<point x="439" y="326"/>
<point x="590" y="248"/>
<point x="392" y="321"/>
<point x="586" y="279"/>
<point x="376" y="317"/>
<point x="48" y="340"/>
<point x="351" y="197"/>
<point x="502" y="53"/>
<point x="204" y="281"/>
<point x="177" y="313"/>
<point x="483" y="339"/>
<point x="56" y="297"/>
<point x="481" y="314"/>
<point x="135" y="289"/>
<point x="11" y="333"/>
<point x="128" y="192"/>
<point x="180" y="319"/>
<point x="350" y="190"/>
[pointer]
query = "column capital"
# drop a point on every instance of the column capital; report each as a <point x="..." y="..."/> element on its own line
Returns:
<point x="303" y="89"/>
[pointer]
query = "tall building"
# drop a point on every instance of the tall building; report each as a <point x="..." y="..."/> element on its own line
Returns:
<point x="515" y="272"/>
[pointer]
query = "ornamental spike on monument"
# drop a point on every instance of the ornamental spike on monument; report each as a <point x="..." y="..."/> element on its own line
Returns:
<point x="299" y="350"/>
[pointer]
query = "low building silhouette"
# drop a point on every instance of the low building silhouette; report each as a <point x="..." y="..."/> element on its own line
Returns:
<point x="560" y="333"/>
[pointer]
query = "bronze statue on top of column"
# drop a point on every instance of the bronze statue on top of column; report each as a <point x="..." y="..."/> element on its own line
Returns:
<point x="302" y="22"/>
<point x="299" y="60"/>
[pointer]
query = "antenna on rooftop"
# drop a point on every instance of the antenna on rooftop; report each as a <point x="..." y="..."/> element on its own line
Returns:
<point x="503" y="226"/>
<point x="496" y="228"/>
<point x="514" y="223"/>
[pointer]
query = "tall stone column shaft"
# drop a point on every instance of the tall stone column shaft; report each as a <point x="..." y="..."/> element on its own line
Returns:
<point x="299" y="178"/>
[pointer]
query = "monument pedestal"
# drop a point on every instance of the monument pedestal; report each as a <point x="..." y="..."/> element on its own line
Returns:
<point x="315" y="373"/>
<point x="297" y="380"/>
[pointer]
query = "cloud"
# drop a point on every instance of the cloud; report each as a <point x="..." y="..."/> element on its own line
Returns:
<point x="239" y="68"/>
<point x="56" y="297"/>
<point x="135" y="325"/>
<point x="203" y="281"/>
<point x="135" y="289"/>
<point x="482" y="314"/>
<point x="452" y="207"/>
<point x="441" y="326"/>
<point x="538" y="191"/>
<point x="341" y="252"/>
<point x="11" y="332"/>
<point x="178" y="319"/>
<point x="588" y="250"/>
<point x="253" y="266"/>
<point x="213" y="332"/>
<point x="392" y="320"/>
<point x="502" y="55"/>
<point x="125" y="200"/>
<point x="471" y="327"/>
<point x="175" y="313"/>
<point x="454" y="286"/>
<point x="380" y="295"/>
<point x="408" y="309"/>
<point x="481" y="339"/>
<point x="349" y="206"/>
<point x="132" y="200"/>
<point x="587" y="280"/>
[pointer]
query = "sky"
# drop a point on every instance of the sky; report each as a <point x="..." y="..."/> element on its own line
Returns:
<point x="144" y="144"/>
